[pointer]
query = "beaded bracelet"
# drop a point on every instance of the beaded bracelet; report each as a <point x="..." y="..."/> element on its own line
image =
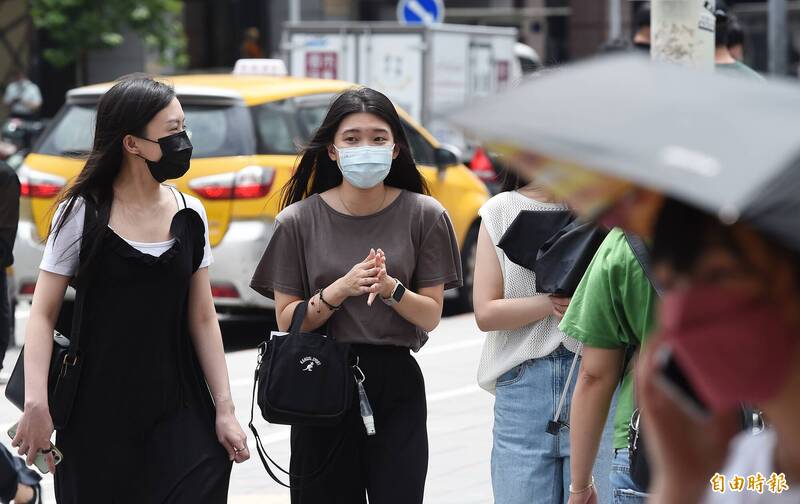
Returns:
<point x="330" y="306"/>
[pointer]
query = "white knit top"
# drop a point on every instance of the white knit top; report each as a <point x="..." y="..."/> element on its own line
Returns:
<point x="505" y="349"/>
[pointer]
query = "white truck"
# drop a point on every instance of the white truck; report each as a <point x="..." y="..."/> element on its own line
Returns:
<point x="427" y="70"/>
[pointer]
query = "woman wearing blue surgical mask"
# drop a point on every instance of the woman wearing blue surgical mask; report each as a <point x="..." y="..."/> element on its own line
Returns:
<point x="357" y="223"/>
<point x="152" y="419"/>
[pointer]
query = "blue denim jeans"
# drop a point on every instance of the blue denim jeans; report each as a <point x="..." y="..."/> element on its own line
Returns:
<point x="624" y="489"/>
<point x="528" y="464"/>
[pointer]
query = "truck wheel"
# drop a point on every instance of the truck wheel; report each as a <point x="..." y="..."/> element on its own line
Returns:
<point x="468" y="267"/>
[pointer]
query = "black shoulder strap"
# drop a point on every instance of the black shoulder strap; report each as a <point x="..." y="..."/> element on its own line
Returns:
<point x="176" y="191"/>
<point x="642" y="254"/>
<point x="91" y="217"/>
<point x="262" y="453"/>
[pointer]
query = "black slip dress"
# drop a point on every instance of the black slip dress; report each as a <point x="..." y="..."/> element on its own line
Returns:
<point x="142" y="428"/>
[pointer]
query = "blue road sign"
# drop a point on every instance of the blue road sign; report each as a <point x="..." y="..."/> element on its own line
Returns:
<point x="425" y="12"/>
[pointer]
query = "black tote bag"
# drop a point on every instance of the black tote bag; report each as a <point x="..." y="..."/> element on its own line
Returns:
<point x="304" y="378"/>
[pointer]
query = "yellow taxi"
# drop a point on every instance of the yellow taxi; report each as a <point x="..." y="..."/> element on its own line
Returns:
<point x="246" y="131"/>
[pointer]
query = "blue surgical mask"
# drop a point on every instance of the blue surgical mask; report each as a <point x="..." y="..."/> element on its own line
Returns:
<point x="365" y="167"/>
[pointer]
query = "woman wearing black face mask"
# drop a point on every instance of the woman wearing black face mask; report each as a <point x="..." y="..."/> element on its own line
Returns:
<point x="143" y="425"/>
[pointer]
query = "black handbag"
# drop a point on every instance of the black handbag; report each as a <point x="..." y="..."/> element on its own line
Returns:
<point x="302" y="379"/>
<point x="637" y="450"/>
<point x="66" y="360"/>
<point x="555" y="245"/>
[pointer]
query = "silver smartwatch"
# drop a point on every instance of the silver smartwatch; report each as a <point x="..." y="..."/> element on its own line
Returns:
<point x="397" y="294"/>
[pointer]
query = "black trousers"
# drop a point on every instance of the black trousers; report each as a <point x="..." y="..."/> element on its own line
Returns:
<point x="390" y="466"/>
<point x="5" y="316"/>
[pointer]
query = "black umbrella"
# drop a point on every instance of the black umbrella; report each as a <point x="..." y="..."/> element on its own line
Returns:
<point x="726" y="145"/>
<point x="555" y="245"/>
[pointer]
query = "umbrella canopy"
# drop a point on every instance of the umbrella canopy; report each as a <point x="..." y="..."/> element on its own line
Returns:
<point x="727" y="145"/>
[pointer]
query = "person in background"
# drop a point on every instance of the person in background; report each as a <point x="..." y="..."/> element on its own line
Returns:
<point x="641" y="35"/>
<point x="736" y="38"/>
<point x="251" y="45"/>
<point x="733" y="325"/>
<point x="9" y="217"/>
<point x="612" y="309"/>
<point x="23" y="97"/>
<point x="724" y="62"/>
<point x="526" y="358"/>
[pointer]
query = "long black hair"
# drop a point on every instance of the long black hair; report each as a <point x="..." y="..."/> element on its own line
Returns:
<point x="125" y="109"/>
<point x="317" y="172"/>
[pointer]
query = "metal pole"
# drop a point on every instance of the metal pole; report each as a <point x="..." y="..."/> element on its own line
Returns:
<point x="682" y="32"/>
<point x="776" y="21"/>
<point x="294" y="11"/>
<point x="614" y="19"/>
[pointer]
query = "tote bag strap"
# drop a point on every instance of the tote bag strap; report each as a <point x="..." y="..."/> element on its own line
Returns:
<point x="298" y="317"/>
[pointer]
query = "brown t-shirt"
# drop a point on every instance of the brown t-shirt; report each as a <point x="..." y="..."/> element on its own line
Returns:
<point x="313" y="245"/>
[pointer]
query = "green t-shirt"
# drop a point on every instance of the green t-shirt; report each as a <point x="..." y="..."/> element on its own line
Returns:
<point x="738" y="69"/>
<point x="614" y="306"/>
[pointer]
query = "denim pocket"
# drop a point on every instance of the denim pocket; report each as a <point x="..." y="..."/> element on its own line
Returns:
<point x="511" y="376"/>
<point x="627" y="496"/>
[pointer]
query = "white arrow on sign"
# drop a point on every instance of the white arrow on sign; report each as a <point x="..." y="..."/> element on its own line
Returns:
<point x="415" y="7"/>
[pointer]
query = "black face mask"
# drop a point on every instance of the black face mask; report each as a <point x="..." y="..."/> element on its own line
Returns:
<point x="176" y="152"/>
<point x="642" y="46"/>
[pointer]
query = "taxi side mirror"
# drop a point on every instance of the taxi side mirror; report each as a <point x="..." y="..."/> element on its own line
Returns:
<point x="447" y="156"/>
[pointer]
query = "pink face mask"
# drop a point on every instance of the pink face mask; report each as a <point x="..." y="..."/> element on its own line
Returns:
<point x="733" y="348"/>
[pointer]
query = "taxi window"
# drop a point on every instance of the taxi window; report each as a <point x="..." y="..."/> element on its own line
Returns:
<point x="71" y="134"/>
<point x="277" y="129"/>
<point x="284" y="127"/>
<point x="422" y="151"/>
<point x="215" y="131"/>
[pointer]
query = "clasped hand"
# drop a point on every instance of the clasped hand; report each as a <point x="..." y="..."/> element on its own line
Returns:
<point x="369" y="277"/>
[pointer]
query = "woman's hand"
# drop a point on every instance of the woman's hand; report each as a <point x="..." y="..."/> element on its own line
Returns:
<point x="587" y="497"/>
<point x="232" y="437"/>
<point x="684" y="451"/>
<point x="33" y="434"/>
<point x="560" y="305"/>
<point x="359" y="279"/>
<point x="385" y="284"/>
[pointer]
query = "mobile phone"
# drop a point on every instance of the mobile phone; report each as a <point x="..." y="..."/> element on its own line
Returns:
<point x="672" y="380"/>
<point x="41" y="460"/>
